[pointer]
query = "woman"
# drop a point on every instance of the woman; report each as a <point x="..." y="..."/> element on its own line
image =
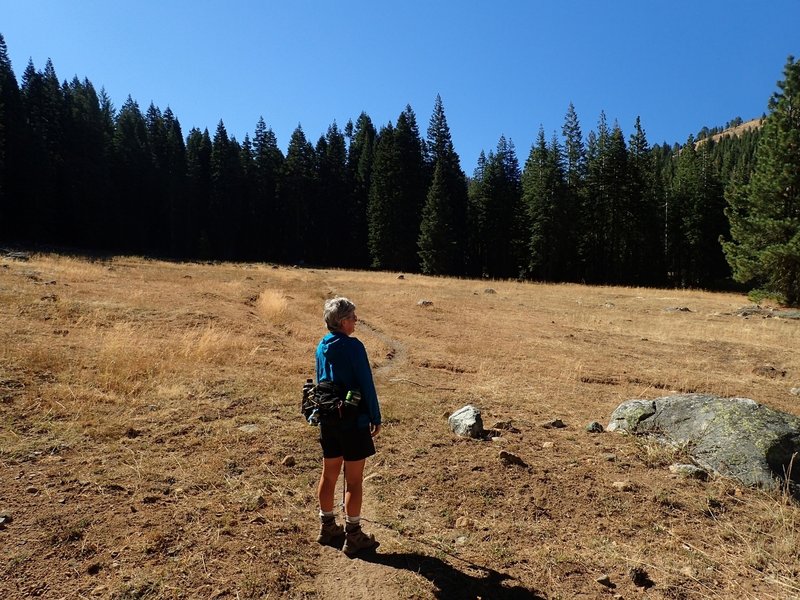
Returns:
<point x="345" y="435"/>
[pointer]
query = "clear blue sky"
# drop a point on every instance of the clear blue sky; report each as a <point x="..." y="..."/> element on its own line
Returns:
<point x="502" y="68"/>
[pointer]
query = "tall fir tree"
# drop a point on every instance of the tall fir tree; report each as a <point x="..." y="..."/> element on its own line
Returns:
<point x="646" y="228"/>
<point x="268" y="164"/>
<point x="593" y="242"/>
<point x="332" y="190"/>
<point x="226" y="207"/>
<point x="198" y="193"/>
<point x="14" y="151"/>
<point x="544" y="190"/>
<point x="87" y="165"/>
<point x="383" y="202"/>
<point x="500" y="201"/>
<point x="45" y="114"/>
<point x="132" y="171"/>
<point x="764" y="214"/>
<point x="397" y="194"/>
<point x="476" y="219"/>
<point x="360" y="158"/>
<point x="442" y="238"/>
<point x="297" y="191"/>
<point x="697" y="219"/>
<point x="574" y="194"/>
<point x="174" y="166"/>
<point x="414" y="182"/>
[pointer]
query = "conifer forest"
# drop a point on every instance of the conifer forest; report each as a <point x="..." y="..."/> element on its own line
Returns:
<point x="583" y="204"/>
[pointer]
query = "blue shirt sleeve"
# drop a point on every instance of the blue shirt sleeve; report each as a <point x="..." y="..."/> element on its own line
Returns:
<point x="363" y="374"/>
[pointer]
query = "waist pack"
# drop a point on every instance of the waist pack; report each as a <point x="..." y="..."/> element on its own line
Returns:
<point x="328" y="400"/>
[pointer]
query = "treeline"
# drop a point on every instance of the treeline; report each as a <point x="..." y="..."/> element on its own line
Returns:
<point x="600" y="208"/>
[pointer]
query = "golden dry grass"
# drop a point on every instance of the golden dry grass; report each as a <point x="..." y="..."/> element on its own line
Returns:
<point x="146" y="409"/>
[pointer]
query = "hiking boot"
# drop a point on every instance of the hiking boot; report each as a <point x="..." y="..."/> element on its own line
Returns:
<point x="356" y="540"/>
<point x="329" y="532"/>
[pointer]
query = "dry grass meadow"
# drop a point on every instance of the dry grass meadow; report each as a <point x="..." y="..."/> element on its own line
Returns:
<point x="151" y="444"/>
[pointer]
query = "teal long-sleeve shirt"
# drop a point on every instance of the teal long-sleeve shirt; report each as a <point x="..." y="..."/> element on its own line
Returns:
<point x="343" y="360"/>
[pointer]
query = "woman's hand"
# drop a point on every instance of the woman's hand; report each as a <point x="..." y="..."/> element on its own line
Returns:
<point x="374" y="430"/>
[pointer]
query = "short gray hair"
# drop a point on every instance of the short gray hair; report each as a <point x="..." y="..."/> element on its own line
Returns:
<point x="336" y="310"/>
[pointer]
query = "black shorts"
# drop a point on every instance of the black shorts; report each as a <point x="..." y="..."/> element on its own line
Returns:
<point x="343" y="437"/>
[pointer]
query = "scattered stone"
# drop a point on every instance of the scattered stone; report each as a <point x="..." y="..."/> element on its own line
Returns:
<point x="548" y="444"/>
<point x="31" y="490"/>
<point x="640" y="578"/>
<point x="769" y="371"/>
<point x="132" y="433"/>
<point x="5" y="519"/>
<point x="605" y="580"/>
<point x="288" y="461"/>
<point x="622" y="486"/>
<point x="678" y="309"/>
<point x="553" y="424"/>
<point x="461" y="540"/>
<point x="467" y="422"/>
<point x="595" y="427"/>
<point x="401" y="276"/>
<point x="489" y="291"/>
<point x="734" y="437"/>
<point x="259" y="520"/>
<point x="509" y="458"/>
<point x="689" y="471"/>
<point x="149" y="499"/>
<point x="93" y="569"/>
<point x="795" y="391"/>
<point x="49" y="298"/>
<point x="248" y="428"/>
<point x="610" y="457"/>
<point x="425" y="303"/>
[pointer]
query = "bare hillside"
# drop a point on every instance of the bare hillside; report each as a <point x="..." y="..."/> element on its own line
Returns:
<point x="151" y="444"/>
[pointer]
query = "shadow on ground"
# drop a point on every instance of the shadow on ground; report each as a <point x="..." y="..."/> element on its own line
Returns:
<point x="451" y="583"/>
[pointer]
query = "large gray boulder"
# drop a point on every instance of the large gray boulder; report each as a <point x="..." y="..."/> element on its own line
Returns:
<point x="735" y="437"/>
<point x="467" y="422"/>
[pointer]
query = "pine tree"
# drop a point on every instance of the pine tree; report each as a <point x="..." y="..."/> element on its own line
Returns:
<point x="132" y="177"/>
<point x="226" y="210"/>
<point x="297" y="192"/>
<point x="178" y="232"/>
<point x="198" y="193"/>
<point x="544" y="191"/>
<point x="360" y="157"/>
<point x="764" y="214"/>
<point x="45" y="114"/>
<point x="397" y="194"/>
<point x="413" y="187"/>
<point x="268" y="164"/>
<point x="500" y="200"/>
<point x="383" y="202"/>
<point x="443" y="235"/>
<point x="574" y="194"/>
<point x="332" y="191"/>
<point x="13" y="153"/>
<point x="87" y="166"/>
<point x="595" y="210"/>
<point x="696" y="219"/>
<point x="646" y="228"/>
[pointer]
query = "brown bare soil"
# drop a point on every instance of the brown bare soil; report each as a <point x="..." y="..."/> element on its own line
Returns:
<point x="151" y="444"/>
